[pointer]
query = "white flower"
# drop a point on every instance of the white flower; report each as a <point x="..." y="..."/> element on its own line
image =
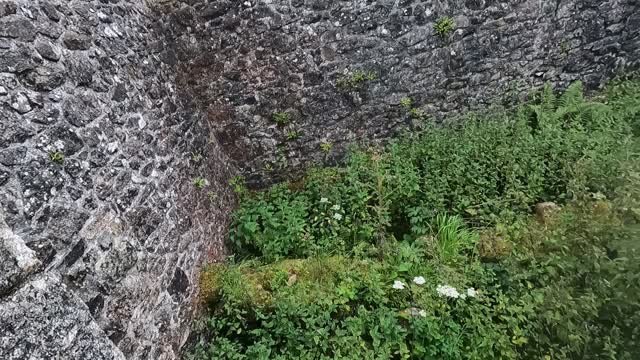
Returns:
<point x="398" y="285"/>
<point x="419" y="280"/>
<point x="335" y="207"/>
<point x="337" y="216"/>
<point x="324" y="200"/>
<point x="471" y="292"/>
<point x="422" y="313"/>
<point x="448" y="291"/>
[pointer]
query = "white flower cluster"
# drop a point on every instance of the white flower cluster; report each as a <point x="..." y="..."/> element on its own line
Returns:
<point x="451" y="292"/>
<point x="399" y="285"/>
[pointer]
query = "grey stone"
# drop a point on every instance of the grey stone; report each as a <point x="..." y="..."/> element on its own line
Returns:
<point x="13" y="155"/>
<point x="18" y="59"/>
<point x="45" y="320"/>
<point x="45" y="78"/>
<point x="47" y="50"/>
<point x="17" y="27"/>
<point x="50" y="10"/>
<point x="7" y="8"/>
<point x="20" y="103"/>
<point x="75" y="41"/>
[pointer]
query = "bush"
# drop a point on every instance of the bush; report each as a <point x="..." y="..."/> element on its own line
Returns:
<point x="427" y="249"/>
<point x="488" y="169"/>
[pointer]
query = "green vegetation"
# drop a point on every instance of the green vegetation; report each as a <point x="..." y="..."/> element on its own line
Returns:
<point x="444" y="26"/>
<point x="428" y="248"/>
<point x="199" y="182"/>
<point x="56" y="157"/>
<point x="196" y="156"/>
<point x="356" y="80"/>
<point x="326" y="147"/>
<point x="293" y="135"/>
<point x="281" y="118"/>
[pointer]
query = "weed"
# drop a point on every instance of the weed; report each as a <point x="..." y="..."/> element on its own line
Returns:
<point x="56" y="157"/>
<point x="293" y="135"/>
<point x="326" y="147"/>
<point x="444" y="26"/>
<point x="199" y="182"/>
<point x="356" y="80"/>
<point x="196" y="156"/>
<point x="406" y="103"/>
<point x="281" y="118"/>
<point x="238" y="185"/>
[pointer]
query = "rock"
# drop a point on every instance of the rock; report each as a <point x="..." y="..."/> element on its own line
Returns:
<point x="75" y="41"/>
<point x="47" y="321"/>
<point x="546" y="211"/>
<point x="179" y="283"/>
<point x="47" y="50"/>
<point x="45" y="78"/>
<point x="17" y="261"/>
<point x="19" y="59"/>
<point x="293" y="278"/>
<point x="17" y="27"/>
<point x="20" y="103"/>
<point x="7" y="8"/>
<point x="119" y="93"/>
<point x="50" y="10"/>
<point x="13" y="156"/>
<point x="4" y="177"/>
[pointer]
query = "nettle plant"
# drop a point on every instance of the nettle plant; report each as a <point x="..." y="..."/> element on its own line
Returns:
<point x="427" y="248"/>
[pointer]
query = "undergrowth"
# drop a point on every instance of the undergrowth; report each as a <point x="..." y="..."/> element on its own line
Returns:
<point x="428" y="249"/>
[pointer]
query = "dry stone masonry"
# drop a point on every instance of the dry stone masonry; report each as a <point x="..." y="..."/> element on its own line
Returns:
<point x="110" y="109"/>
<point x="252" y="59"/>
<point x="100" y="246"/>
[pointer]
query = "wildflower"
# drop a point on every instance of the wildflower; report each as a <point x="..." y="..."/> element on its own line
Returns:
<point x="422" y="313"/>
<point x="471" y="292"/>
<point x="324" y="200"/>
<point x="448" y="291"/>
<point x="419" y="280"/>
<point x="398" y="285"/>
<point x="335" y="207"/>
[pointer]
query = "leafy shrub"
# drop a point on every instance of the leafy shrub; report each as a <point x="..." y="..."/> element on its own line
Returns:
<point x="426" y="249"/>
<point x="562" y="298"/>
<point x="488" y="169"/>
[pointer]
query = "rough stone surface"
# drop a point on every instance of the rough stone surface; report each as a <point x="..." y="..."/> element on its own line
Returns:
<point x="100" y="253"/>
<point x="248" y="60"/>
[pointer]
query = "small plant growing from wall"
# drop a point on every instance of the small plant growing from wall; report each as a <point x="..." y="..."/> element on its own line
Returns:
<point x="406" y="103"/>
<point x="444" y="26"/>
<point x="196" y="156"/>
<point x="416" y="113"/>
<point x="326" y="147"/>
<point x="56" y="157"/>
<point x="199" y="182"/>
<point x="238" y="185"/>
<point x="293" y="135"/>
<point x="356" y="80"/>
<point x="281" y="118"/>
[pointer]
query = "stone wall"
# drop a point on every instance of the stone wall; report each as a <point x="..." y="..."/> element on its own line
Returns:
<point x="109" y="110"/>
<point x="102" y="230"/>
<point x="257" y="58"/>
